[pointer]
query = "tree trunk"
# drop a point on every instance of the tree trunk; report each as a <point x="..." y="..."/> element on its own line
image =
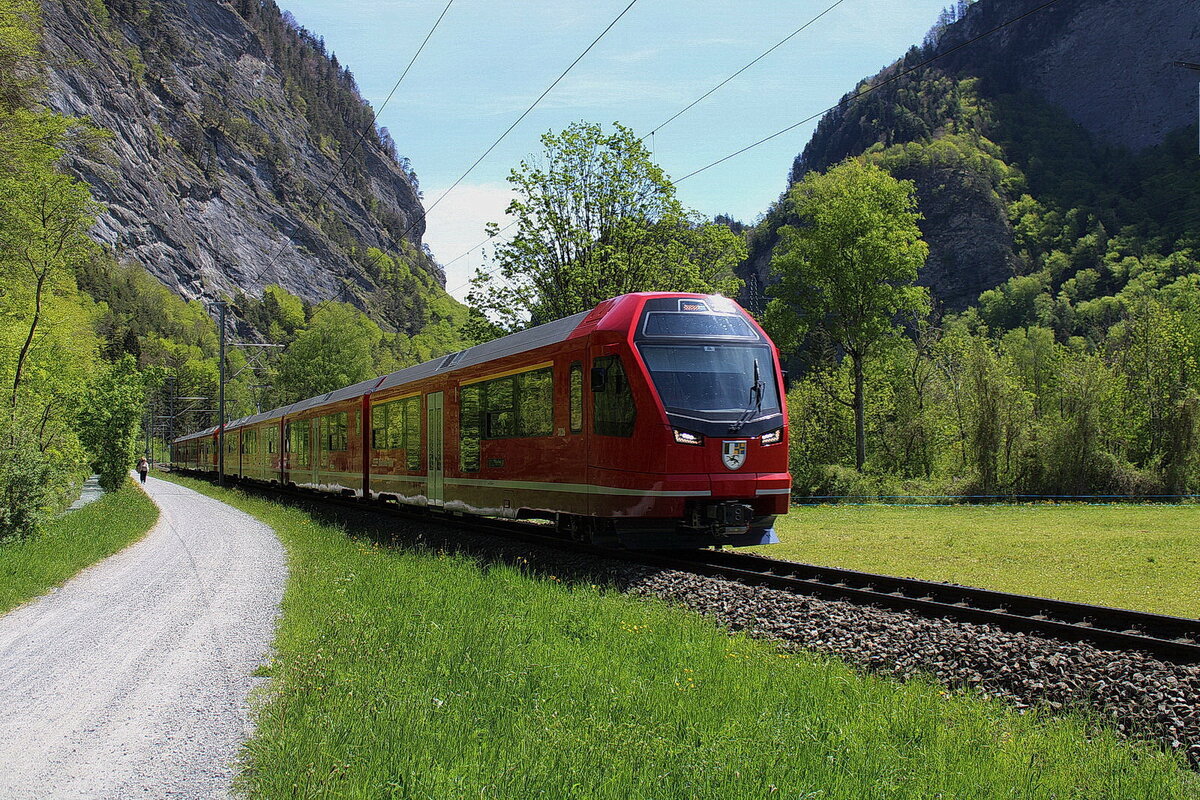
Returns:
<point x="860" y="428"/>
<point x="37" y="315"/>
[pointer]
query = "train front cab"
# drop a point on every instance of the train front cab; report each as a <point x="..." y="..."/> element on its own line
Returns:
<point x="687" y="425"/>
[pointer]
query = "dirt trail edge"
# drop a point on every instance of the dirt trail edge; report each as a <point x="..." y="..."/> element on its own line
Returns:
<point x="131" y="680"/>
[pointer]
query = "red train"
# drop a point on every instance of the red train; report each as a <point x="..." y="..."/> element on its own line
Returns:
<point x="653" y="420"/>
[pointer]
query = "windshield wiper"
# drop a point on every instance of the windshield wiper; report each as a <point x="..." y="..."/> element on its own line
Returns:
<point x="756" y="397"/>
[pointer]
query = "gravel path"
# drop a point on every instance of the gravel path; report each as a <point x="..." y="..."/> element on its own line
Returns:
<point x="131" y="681"/>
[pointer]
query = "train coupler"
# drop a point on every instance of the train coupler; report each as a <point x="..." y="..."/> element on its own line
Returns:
<point x="723" y="518"/>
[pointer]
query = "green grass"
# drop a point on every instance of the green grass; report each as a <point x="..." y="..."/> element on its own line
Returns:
<point x="1145" y="557"/>
<point x="30" y="567"/>
<point x="416" y="674"/>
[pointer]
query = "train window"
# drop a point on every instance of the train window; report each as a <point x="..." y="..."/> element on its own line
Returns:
<point x="412" y="432"/>
<point x="298" y="442"/>
<point x="333" y="432"/>
<point x="515" y="405"/>
<point x="379" y="415"/>
<point x="576" y="397"/>
<point x="387" y="426"/>
<point x="396" y="425"/>
<point x="500" y="414"/>
<point x="614" y="412"/>
<point x="272" y="437"/>
<point x="470" y="406"/>
<point x="535" y="406"/>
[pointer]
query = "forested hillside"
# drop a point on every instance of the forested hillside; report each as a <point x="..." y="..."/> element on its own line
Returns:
<point x="1043" y="109"/>
<point x="93" y="348"/>
<point x="1062" y="350"/>
<point x="233" y="158"/>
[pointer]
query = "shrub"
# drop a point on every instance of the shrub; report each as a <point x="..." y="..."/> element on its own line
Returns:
<point x="24" y="484"/>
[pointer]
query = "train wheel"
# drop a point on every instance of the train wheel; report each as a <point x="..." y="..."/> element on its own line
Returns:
<point x="572" y="527"/>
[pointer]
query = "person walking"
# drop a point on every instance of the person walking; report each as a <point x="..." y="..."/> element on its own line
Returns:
<point x="143" y="466"/>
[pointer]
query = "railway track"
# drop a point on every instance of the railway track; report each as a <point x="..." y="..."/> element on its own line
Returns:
<point x="1174" y="638"/>
<point x="1171" y="638"/>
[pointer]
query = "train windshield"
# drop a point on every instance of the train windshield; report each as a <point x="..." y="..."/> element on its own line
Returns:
<point x="714" y="381"/>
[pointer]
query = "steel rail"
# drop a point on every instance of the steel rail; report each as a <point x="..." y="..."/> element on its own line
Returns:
<point x="1171" y="638"/>
<point x="1177" y="638"/>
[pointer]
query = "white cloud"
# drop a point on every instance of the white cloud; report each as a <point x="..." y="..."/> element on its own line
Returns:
<point x="634" y="56"/>
<point x="457" y="224"/>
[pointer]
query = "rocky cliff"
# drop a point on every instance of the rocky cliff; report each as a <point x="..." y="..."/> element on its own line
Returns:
<point x="227" y="124"/>
<point x="1109" y="64"/>
<point x="1080" y="88"/>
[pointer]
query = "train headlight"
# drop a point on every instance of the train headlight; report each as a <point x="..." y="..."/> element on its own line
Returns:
<point x="685" y="437"/>
<point x="773" y="437"/>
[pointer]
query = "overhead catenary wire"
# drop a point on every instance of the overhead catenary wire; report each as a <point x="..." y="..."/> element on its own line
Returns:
<point x="528" y="110"/>
<point x="849" y="98"/>
<point x="421" y="216"/>
<point x="759" y="58"/>
<point x="835" y="106"/>
<point x="668" y="121"/>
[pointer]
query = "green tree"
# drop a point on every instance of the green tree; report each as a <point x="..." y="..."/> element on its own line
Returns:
<point x="1083" y="447"/>
<point x="597" y="218"/>
<point x="848" y="268"/>
<point x="1158" y="351"/>
<point x="339" y="348"/>
<point x="45" y="235"/>
<point x="111" y="420"/>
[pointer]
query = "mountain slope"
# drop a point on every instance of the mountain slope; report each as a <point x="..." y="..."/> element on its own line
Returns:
<point x="1078" y="106"/>
<point x="227" y="123"/>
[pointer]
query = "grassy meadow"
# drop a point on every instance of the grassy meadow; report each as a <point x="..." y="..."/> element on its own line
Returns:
<point x="1145" y="557"/>
<point x="30" y="567"/>
<point x="411" y="673"/>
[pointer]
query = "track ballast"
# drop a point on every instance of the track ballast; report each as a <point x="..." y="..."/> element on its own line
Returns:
<point x="1175" y="638"/>
<point x="1172" y="638"/>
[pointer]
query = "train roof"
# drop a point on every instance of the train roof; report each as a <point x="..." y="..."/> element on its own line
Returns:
<point x="531" y="339"/>
<point x="539" y="336"/>
<point x="198" y="434"/>
<point x="346" y="393"/>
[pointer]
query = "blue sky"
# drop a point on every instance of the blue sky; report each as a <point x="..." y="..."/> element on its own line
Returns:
<point x="489" y="60"/>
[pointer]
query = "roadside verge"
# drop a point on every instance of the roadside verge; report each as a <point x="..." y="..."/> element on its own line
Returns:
<point x="32" y="566"/>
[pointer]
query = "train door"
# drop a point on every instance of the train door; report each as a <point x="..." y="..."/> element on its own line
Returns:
<point x="314" y="450"/>
<point x="435" y="483"/>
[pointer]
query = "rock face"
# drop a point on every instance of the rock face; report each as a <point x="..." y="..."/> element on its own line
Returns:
<point x="213" y="177"/>
<point x="968" y="233"/>
<point x="1107" y="64"/>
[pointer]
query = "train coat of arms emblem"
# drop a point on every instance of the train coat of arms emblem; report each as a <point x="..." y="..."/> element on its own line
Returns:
<point x="733" y="454"/>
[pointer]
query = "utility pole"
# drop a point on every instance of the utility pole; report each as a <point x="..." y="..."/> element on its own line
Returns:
<point x="170" y="437"/>
<point x="221" y="403"/>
